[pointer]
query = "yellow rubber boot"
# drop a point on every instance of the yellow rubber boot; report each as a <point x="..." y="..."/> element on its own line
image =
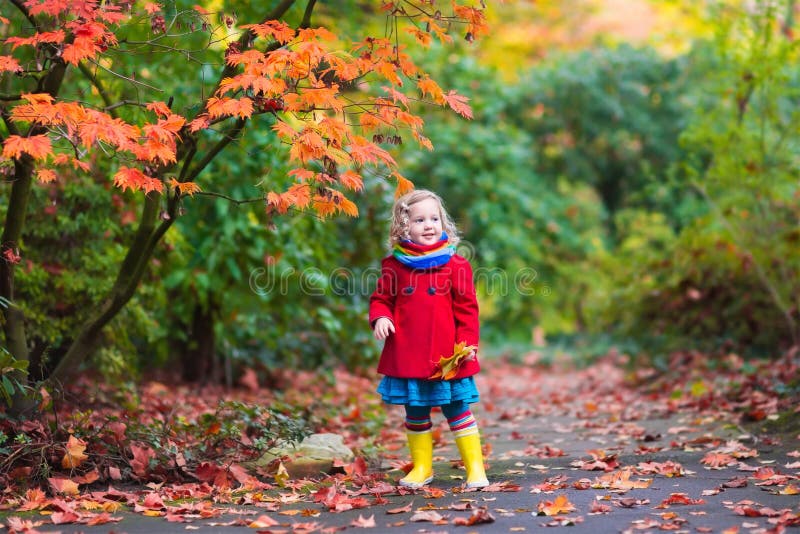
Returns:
<point x="470" y="448"/>
<point x="421" y="446"/>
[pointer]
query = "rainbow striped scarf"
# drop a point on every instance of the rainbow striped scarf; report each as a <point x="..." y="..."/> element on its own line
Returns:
<point x="424" y="256"/>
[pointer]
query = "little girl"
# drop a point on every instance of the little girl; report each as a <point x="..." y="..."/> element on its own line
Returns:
<point x="423" y="305"/>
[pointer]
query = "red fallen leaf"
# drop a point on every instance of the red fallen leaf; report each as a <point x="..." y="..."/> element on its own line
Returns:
<point x="17" y="524"/>
<point x="433" y="493"/>
<point x="748" y="511"/>
<point x="679" y="498"/>
<point x="630" y="503"/>
<point x="302" y="528"/>
<point x="564" y="521"/>
<point x="427" y="515"/>
<point x="141" y="459"/>
<point x="787" y="518"/>
<point x="738" y="482"/>
<point x="667" y="469"/>
<point x="362" y="522"/>
<point x="718" y="460"/>
<point x="764" y="473"/>
<point x="479" y="516"/>
<point x="263" y="521"/>
<point x="60" y="518"/>
<point x="599" y="508"/>
<point x="379" y="501"/>
<point x="381" y="488"/>
<point x="244" y="478"/>
<point x="153" y="501"/>
<point x="357" y="467"/>
<point x="582" y="484"/>
<point x="402" y="509"/>
<point x="88" y="478"/>
<point x="504" y="486"/>
<point x="102" y="519"/>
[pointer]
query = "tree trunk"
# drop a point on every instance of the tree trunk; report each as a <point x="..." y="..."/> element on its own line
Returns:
<point x="198" y="363"/>
<point x="13" y="316"/>
<point x="130" y="274"/>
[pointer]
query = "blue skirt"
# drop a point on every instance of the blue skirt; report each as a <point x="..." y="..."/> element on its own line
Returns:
<point x="418" y="392"/>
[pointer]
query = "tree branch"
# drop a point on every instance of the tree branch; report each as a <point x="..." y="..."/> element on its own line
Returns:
<point x="231" y="199"/>
<point x="227" y="138"/>
<point x="110" y="105"/>
<point x="306" y="22"/>
<point x="25" y="12"/>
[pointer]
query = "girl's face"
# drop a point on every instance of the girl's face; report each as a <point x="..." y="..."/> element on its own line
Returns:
<point x="425" y="222"/>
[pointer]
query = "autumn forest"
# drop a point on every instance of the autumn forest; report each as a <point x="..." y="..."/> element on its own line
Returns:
<point x="195" y="199"/>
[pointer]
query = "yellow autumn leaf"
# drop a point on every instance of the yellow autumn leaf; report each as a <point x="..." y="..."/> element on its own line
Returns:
<point x="448" y="366"/>
<point x="282" y="475"/>
<point x="74" y="455"/>
<point x="560" y="505"/>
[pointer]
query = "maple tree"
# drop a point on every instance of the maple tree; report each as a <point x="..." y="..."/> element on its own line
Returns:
<point x="70" y="108"/>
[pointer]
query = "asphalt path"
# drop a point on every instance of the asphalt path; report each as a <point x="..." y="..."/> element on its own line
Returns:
<point x="549" y="438"/>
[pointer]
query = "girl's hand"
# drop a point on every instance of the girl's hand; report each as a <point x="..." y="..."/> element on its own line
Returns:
<point x="473" y="353"/>
<point x="383" y="327"/>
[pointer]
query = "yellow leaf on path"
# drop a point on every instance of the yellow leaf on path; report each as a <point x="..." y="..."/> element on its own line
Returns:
<point x="282" y="475"/>
<point x="560" y="505"/>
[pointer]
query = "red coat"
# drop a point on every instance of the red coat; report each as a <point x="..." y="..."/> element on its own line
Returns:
<point x="432" y="310"/>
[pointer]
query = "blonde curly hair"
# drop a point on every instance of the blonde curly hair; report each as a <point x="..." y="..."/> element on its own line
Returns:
<point x="398" y="231"/>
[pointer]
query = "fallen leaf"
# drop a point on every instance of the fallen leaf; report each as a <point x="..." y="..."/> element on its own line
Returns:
<point x="361" y="522"/>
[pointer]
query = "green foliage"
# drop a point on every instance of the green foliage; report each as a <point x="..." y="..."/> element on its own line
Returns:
<point x="731" y="275"/>
<point x="609" y="118"/>
<point x="10" y="385"/>
<point x="529" y="179"/>
<point x="74" y="240"/>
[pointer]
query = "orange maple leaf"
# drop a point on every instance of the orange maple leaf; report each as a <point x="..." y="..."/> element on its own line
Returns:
<point x="284" y="130"/>
<point x="352" y="180"/>
<point x="80" y="49"/>
<point x="458" y="103"/>
<point x="201" y="122"/>
<point x="135" y="180"/>
<point x="9" y="64"/>
<point x="63" y="485"/>
<point x="74" y="455"/>
<point x="302" y="195"/>
<point x="185" y="188"/>
<point x="280" y="201"/>
<point x="404" y="185"/>
<point x="308" y="145"/>
<point x="34" y="499"/>
<point x="55" y="37"/>
<point x="275" y="29"/>
<point x="160" y="108"/>
<point x="36" y="146"/>
<point x="717" y="460"/>
<point x="45" y="176"/>
<point x="362" y="151"/>
<point x="152" y="7"/>
<point x="430" y="87"/>
<point x="560" y="505"/>
<point x="422" y="37"/>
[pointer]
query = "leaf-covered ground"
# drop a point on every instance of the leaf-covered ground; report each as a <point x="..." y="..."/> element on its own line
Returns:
<point x="708" y="446"/>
